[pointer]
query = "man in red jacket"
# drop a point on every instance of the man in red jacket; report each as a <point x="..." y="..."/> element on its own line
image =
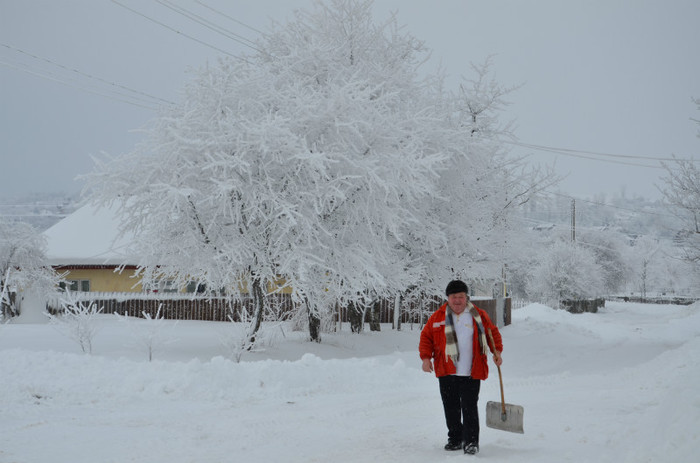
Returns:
<point x="454" y="344"/>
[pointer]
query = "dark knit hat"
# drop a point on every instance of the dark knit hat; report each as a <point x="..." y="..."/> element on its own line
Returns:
<point x="456" y="286"/>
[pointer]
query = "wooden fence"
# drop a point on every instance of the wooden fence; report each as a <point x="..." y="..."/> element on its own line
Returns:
<point x="279" y="306"/>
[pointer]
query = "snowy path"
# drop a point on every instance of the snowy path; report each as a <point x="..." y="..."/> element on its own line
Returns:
<point x="620" y="385"/>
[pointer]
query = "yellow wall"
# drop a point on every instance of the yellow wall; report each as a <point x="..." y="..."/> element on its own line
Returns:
<point x="106" y="280"/>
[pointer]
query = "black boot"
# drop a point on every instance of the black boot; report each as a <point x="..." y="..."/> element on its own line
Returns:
<point x="453" y="445"/>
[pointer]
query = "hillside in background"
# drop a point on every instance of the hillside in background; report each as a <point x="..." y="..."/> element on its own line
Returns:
<point x="632" y="216"/>
<point x="39" y="210"/>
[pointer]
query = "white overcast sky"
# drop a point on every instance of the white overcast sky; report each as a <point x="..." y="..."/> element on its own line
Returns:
<point x="598" y="76"/>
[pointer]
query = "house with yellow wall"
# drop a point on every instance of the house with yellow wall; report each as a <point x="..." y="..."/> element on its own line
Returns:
<point x="87" y="249"/>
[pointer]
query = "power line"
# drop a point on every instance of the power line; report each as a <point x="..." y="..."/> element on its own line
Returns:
<point x="210" y="25"/>
<point x="89" y="76"/>
<point x="133" y="97"/>
<point x="178" y="32"/>
<point x="596" y="203"/>
<point x="83" y="88"/>
<point x="590" y="155"/>
<point x="230" y="18"/>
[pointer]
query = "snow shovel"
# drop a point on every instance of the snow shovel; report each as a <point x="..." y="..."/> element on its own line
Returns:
<point x="503" y="416"/>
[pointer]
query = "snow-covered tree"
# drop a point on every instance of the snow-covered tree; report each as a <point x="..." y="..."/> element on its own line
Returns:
<point x="647" y="261"/>
<point x="479" y="190"/>
<point x="324" y="161"/>
<point x="23" y="264"/>
<point x="612" y="254"/>
<point x="567" y="271"/>
<point x="526" y="251"/>
<point x="682" y="191"/>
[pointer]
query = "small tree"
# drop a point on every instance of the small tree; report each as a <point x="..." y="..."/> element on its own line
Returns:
<point x="241" y="334"/>
<point x="647" y="263"/>
<point x="23" y="264"/>
<point x="148" y="331"/>
<point x="77" y="320"/>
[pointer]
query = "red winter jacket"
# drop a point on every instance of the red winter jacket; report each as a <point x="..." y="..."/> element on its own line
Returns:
<point x="432" y="344"/>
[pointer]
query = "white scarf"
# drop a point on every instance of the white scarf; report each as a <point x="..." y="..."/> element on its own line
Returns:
<point x="451" y="349"/>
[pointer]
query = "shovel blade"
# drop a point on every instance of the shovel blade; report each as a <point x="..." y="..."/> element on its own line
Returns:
<point x="511" y="421"/>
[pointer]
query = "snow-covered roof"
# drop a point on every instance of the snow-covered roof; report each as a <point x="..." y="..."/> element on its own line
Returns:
<point x="89" y="236"/>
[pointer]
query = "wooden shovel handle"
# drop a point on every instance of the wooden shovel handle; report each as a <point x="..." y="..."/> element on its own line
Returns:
<point x="500" y="378"/>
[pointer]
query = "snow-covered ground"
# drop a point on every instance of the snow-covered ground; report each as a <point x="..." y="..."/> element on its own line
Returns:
<point x="622" y="385"/>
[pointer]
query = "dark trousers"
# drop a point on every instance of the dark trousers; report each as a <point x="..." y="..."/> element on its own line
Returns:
<point x="460" y="397"/>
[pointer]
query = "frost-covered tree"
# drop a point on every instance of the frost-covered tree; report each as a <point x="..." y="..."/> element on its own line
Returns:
<point x="23" y="264"/>
<point x="647" y="263"/>
<point x="682" y="192"/>
<point x="478" y="191"/>
<point x="326" y="161"/>
<point x="681" y="189"/>
<point x="612" y="254"/>
<point x="567" y="271"/>
<point x="526" y="251"/>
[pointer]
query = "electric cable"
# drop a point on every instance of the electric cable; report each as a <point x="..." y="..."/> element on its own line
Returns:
<point x="230" y="17"/>
<point x="178" y="32"/>
<point x="210" y="25"/>
<point x="82" y="88"/>
<point x="89" y="76"/>
<point x="590" y="154"/>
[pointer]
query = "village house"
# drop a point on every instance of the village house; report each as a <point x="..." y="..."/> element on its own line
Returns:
<point x="86" y="248"/>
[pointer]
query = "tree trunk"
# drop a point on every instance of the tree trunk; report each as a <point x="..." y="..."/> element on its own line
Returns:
<point x="8" y="307"/>
<point x="355" y="317"/>
<point x="314" y="323"/>
<point x="375" y="316"/>
<point x="259" y="305"/>
<point x="397" y="313"/>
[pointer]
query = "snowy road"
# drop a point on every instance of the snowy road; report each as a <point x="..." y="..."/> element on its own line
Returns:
<point x="620" y="385"/>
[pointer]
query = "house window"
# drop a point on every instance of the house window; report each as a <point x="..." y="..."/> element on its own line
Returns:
<point x="162" y="286"/>
<point x="195" y="287"/>
<point x="75" y="285"/>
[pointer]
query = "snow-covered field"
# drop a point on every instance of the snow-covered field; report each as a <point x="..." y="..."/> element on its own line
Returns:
<point x="622" y="385"/>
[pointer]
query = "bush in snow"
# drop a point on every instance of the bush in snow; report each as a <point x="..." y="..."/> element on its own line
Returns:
<point x="77" y="320"/>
